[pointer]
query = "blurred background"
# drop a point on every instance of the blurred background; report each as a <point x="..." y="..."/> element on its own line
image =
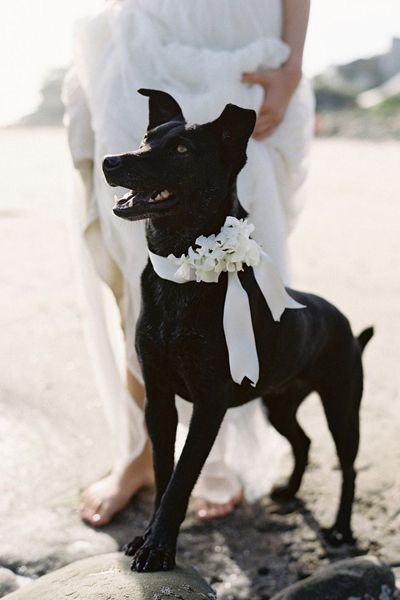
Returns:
<point x="53" y="435"/>
<point x="352" y="54"/>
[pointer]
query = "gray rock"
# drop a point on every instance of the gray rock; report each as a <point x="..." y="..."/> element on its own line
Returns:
<point x="364" y="578"/>
<point x="8" y="582"/>
<point x="108" y="577"/>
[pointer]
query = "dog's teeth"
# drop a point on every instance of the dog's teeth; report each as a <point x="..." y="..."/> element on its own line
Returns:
<point x="161" y="196"/>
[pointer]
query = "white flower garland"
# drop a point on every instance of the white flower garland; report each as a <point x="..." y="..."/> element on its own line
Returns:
<point x="227" y="251"/>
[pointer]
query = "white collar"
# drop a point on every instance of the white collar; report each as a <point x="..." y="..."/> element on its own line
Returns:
<point x="229" y="251"/>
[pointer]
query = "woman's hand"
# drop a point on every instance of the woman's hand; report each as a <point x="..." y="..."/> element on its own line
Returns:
<point x="279" y="87"/>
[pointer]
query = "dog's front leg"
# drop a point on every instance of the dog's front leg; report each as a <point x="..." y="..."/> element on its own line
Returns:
<point x="158" y="550"/>
<point x="161" y="420"/>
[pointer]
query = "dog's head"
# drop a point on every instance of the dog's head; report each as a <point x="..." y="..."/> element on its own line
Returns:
<point x="180" y="169"/>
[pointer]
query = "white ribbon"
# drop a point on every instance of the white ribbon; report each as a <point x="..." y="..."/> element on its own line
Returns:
<point x="237" y="322"/>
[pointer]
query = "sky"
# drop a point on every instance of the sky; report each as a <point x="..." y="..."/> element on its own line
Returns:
<point x="35" y="36"/>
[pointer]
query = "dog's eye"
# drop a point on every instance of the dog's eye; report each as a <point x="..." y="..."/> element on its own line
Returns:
<point x="181" y="149"/>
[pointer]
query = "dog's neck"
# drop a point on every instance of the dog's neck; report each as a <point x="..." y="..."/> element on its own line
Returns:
<point x="174" y="235"/>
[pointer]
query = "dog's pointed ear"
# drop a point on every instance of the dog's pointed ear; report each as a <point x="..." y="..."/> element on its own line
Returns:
<point x="235" y="125"/>
<point x="162" y="108"/>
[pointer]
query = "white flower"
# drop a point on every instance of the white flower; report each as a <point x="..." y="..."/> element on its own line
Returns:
<point x="209" y="276"/>
<point x="206" y="244"/>
<point x="253" y="255"/>
<point x="185" y="269"/>
<point x="226" y="252"/>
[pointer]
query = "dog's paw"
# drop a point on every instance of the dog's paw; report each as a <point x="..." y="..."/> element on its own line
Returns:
<point x="153" y="558"/>
<point x="337" y="538"/>
<point x="132" y="547"/>
<point x="283" y="493"/>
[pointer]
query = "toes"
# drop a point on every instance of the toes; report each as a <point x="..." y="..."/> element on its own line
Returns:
<point x="132" y="547"/>
<point x="153" y="558"/>
<point x="98" y="517"/>
<point x="103" y="499"/>
<point x="207" y="514"/>
<point x="92" y="509"/>
<point x="211" y="511"/>
<point x="89" y="515"/>
<point x="89" y="507"/>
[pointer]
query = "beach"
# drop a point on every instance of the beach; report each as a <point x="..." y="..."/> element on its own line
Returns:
<point x="54" y="438"/>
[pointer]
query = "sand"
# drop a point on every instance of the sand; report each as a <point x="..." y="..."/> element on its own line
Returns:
<point x="54" y="438"/>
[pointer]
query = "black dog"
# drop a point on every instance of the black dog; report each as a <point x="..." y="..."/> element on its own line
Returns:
<point x="183" y="179"/>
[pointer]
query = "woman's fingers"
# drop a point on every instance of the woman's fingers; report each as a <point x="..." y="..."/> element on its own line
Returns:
<point x="262" y="123"/>
<point x="271" y="112"/>
<point x="263" y="132"/>
<point x="260" y="78"/>
<point x="267" y="121"/>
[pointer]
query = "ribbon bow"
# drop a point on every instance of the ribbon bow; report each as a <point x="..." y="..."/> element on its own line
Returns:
<point x="227" y="252"/>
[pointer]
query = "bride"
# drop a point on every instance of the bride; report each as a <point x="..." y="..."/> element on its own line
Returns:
<point x="206" y="53"/>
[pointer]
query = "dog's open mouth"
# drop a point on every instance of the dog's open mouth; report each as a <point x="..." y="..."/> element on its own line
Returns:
<point x="133" y="203"/>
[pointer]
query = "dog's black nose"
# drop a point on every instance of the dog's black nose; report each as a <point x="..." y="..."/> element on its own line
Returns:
<point x="111" y="163"/>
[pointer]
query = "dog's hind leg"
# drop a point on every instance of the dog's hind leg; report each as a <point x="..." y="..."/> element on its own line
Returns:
<point x="282" y="409"/>
<point x="341" y="407"/>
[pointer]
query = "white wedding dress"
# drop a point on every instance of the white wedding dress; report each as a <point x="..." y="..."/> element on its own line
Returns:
<point x="196" y="50"/>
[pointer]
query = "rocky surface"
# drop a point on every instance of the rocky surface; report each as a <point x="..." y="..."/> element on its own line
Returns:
<point x="53" y="436"/>
<point x="108" y="577"/>
<point x="353" y="579"/>
<point x="8" y="582"/>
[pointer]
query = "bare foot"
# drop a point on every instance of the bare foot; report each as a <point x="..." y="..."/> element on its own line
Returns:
<point x="102" y="500"/>
<point x="206" y="511"/>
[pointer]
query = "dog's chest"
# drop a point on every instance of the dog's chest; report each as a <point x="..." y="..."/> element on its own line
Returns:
<point x="180" y="317"/>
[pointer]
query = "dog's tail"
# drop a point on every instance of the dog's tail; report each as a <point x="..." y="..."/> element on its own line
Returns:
<point x="364" y="337"/>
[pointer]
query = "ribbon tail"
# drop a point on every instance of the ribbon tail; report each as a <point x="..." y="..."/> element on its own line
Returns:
<point x="271" y="285"/>
<point x="239" y="333"/>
